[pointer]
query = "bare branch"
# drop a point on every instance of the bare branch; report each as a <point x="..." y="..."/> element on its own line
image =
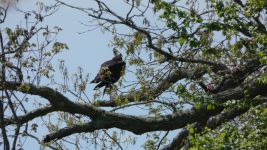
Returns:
<point x="160" y="142"/>
<point x="30" y="116"/>
<point x="2" y="112"/>
<point x="115" y="140"/>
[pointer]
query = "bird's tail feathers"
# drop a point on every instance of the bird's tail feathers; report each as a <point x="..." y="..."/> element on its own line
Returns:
<point x="96" y="80"/>
<point x="101" y="84"/>
<point x="93" y="81"/>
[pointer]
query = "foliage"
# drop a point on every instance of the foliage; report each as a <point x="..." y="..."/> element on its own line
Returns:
<point x="196" y="66"/>
<point x="237" y="134"/>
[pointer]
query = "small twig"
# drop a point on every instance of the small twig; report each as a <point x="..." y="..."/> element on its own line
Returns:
<point x="162" y="139"/>
<point x="128" y="14"/>
<point x="16" y="137"/>
<point x="3" y="78"/>
<point x="113" y="139"/>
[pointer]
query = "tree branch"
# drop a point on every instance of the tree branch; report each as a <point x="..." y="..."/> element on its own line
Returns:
<point x="56" y="99"/>
<point x="102" y="119"/>
<point x="30" y="116"/>
<point x="140" y="125"/>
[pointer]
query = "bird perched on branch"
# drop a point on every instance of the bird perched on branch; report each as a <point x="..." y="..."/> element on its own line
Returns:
<point x="110" y="72"/>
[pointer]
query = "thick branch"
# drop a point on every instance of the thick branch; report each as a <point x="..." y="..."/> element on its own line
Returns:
<point x="138" y="125"/>
<point x="249" y="88"/>
<point x="88" y="127"/>
<point x="30" y="116"/>
<point x="56" y="99"/>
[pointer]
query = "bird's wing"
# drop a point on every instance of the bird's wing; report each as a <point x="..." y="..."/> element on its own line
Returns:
<point x="109" y="63"/>
<point x="106" y="65"/>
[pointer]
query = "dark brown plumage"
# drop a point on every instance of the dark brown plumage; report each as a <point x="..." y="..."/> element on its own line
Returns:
<point x="110" y="72"/>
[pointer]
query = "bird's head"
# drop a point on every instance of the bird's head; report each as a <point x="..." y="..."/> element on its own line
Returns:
<point x="117" y="57"/>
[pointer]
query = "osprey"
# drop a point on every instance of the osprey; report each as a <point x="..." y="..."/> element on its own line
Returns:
<point x="110" y="72"/>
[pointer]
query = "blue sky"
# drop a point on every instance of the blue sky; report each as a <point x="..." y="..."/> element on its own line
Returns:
<point x="87" y="50"/>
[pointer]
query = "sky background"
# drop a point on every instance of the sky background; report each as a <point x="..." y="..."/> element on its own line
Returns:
<point x="87" y="50"/>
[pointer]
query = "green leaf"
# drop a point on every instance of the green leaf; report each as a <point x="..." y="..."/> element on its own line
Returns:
<point x="181" y="41"/>
<point x="197" y="105"/>
<point x="24" y="87"/>
<point x="210" y="106"/>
